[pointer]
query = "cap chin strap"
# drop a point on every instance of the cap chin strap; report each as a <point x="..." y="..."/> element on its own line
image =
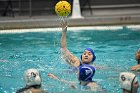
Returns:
<point x="132" y="85"/>
<point x="33" y="86"/>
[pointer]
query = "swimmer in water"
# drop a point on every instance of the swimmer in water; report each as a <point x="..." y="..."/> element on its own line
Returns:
<point x="137" y="56"/>
<point x="87" y="57"/>
<point x="85" y="76"/>
<point x="33" y="82"/>
<point x="129" y="82"/>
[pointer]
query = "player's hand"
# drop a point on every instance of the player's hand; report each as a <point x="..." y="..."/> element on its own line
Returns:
<point x="64" y="25"/>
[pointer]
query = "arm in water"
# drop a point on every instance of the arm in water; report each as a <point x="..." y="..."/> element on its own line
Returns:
<point x="71" y="84"/>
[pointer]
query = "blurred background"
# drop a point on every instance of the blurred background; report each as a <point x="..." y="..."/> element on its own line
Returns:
<point x="46" y="7"/>
<point x="99" y="11"/>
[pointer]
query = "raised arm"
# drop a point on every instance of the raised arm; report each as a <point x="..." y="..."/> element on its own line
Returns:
<point x="66" y="54"/>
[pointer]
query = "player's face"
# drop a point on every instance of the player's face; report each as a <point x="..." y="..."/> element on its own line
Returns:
<point x="87" y="56"/>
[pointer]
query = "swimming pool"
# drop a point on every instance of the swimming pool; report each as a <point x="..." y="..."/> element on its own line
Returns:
<point x="114" y="47"/>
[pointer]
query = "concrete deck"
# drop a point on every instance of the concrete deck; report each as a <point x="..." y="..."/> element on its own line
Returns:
<point x="99" y="17"/>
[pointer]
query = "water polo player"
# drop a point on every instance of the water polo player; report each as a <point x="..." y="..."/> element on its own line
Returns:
<point x="85" y="77"/>
<point x="137" y="56"/>
<point x="88" y="56"/>
<point x="129" y="82"/>
<point x="33" y="82"/>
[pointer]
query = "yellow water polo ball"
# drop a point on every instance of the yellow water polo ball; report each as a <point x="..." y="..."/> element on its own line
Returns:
<point x="63" y="8"/>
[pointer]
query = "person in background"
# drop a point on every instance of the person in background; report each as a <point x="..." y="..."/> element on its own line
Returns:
<point x="137" y="56"/>
<point x="33" y="82"/>
<point x="129" y="82"/>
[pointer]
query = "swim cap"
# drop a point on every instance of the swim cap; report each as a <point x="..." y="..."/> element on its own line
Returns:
<point x="86" y="72"/>
<point x="127" y="79"/>
<point x="89" y="49"/>
<point x="32" y="77"/>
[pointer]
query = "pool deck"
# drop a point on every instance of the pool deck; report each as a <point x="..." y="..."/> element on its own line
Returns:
<point x="102" y="17"/>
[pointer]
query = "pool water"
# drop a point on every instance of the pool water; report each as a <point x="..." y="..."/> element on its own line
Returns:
<point x="114" y="48"/>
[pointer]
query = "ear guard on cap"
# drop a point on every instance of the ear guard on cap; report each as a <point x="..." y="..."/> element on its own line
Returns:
<point x="127" y="79"/>
<point x="32" y="77"/>
<point x="86" y="72"/>
<point x="94" y="57"/>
